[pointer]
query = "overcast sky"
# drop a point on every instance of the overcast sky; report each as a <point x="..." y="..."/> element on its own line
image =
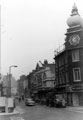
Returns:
<point x="31" y="30"/>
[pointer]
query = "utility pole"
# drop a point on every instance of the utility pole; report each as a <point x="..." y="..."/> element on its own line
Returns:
<point x="9" y="87"/>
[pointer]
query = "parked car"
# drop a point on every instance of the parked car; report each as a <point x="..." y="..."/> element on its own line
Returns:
<point x="29" y="102"/>
<point x="37" y="100"/>
<point x="60" y="101"/>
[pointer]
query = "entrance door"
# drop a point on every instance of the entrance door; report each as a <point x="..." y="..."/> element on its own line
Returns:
<point x="81" y="99"/>
<point x="69" y="99"/>
<point x="75" y="99"/>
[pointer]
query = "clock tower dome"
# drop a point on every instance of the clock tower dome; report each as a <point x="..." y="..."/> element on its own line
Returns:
<point x="74" y="35"/>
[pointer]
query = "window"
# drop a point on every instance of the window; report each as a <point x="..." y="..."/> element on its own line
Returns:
<point x="44" y="83"/>
<point x="75" y="55"/>
<point x="44" y="76"/>
<point x="56" y="79"/>
<point x="60" y="78"/>
<point x="66" y="58"/>
<point x="67" y="77"/>
<point x="63" y="77"/>
<point x="61" y="61"/>
<point x="56" y="64"/>
<point x="76" y="74"/>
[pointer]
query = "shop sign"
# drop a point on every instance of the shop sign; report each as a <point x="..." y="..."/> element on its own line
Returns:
<point x="68" y="89"/>
<point x="77" y="88"/>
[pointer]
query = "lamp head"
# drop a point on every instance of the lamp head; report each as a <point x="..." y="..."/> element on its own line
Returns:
<point x="15" y="66"/>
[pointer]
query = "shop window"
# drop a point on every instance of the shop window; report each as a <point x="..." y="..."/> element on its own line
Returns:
<point x="76" y="74"/>
<point x="75" y="55"/>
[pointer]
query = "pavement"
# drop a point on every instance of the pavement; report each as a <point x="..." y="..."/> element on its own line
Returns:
<point x="75" y="109"/>
<point x="15" y="115"/>
<point x="17" y="110"/>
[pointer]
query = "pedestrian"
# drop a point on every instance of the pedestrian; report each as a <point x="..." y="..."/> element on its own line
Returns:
<point x="19" y="99"/>
<point x="63" y="102"/>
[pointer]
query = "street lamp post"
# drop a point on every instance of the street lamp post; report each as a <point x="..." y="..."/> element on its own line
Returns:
<point x="10" y="78"/>
<point x="9" y="88"/>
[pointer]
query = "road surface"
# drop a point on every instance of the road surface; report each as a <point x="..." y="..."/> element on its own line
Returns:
<point x="42" y="112"/>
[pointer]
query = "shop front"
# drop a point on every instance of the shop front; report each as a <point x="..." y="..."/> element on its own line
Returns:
<point x="73" y="94"/>
<point x="43" y="94"/>
<point x="77" y="95"/>
<point x="61" y="91"/>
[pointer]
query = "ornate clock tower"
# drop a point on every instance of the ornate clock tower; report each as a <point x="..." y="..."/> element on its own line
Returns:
<point x="74" y="35"/>
<point x="74" y="50"/>
<point x="69" y="62"/>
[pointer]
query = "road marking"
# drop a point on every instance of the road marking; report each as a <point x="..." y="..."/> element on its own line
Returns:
<point x="16" y="118"/>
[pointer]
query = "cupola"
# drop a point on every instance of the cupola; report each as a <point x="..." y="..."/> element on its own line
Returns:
<point x="75" y="18"/>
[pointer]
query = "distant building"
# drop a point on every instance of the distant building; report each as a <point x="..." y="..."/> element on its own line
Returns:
<point x="21" y="86"/>
<point x="30" y="83"/>
<point x="6" y="86"/>
<point x="38" y="82"/>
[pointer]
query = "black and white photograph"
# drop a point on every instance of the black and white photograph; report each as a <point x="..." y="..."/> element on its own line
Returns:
<point x="41" y="60"/>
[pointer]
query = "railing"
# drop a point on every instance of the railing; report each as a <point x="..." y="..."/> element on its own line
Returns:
<point x="59" y="50"/>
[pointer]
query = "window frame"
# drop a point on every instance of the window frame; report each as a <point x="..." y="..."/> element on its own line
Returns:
<point x="66" y="77"/>
<point x="73" y="53"/>
<point x="74" y="74"/>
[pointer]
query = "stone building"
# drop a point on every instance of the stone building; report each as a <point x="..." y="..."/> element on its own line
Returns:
<point x="44" y="80"/>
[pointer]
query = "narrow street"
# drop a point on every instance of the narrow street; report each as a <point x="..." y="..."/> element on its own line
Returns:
<point x="42" y="112"/>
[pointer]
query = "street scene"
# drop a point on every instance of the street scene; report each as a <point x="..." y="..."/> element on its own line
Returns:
<point x="42" y="112"/>
<point x="41" y="77"/>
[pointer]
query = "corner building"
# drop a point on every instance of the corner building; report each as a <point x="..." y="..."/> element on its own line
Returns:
<point x="69" y="62"/>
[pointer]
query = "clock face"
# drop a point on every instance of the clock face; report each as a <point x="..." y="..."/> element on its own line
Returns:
<point x="74" y="39"/>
